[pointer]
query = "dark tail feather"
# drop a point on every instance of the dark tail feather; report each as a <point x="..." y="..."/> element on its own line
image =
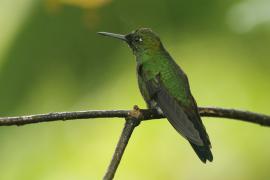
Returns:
<point x="203" y="152"/>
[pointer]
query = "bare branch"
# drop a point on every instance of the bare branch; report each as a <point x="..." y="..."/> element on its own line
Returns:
<point x="235" y="114"/>
<point x="61" y="116"/>
<point x="148" y="114"/>
<point x="130" y="125"/>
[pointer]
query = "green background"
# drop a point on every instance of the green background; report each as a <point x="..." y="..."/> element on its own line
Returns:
<point x="51" y="59"/>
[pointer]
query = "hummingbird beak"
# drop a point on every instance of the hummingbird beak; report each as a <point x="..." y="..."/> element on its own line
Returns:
<point x="117" y="36"/>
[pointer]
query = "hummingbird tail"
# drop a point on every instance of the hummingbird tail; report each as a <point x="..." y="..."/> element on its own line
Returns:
<point x="203" y="152"/>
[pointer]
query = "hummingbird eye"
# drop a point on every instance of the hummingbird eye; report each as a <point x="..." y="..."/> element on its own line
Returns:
<point x="138" y="39"/>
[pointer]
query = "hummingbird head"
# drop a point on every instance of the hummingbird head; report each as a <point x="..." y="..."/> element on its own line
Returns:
<point x="140" y="41"/>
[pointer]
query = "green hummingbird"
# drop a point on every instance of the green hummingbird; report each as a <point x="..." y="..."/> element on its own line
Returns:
<point x="165" y="87"/>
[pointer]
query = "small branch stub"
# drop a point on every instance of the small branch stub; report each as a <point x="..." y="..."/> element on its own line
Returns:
<point x="135" y="114"/>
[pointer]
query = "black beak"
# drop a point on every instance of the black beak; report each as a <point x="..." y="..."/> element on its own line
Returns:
<point x="117" y="36"/>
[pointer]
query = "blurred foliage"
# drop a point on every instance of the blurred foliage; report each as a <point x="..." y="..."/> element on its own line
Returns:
<point x="52" y="60"/>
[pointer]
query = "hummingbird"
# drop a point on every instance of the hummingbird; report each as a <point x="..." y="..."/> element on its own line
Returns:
<point x="165" y="87"/>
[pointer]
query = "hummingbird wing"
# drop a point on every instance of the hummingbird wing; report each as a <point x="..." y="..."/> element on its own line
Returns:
<point x="175" y="113"/>
<point x="185" y="120"/>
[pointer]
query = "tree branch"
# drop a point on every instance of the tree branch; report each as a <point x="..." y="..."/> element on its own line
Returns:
<point x="130" y="125"/>
<point x="148" y="114"/>
<point x="132" y="120"/>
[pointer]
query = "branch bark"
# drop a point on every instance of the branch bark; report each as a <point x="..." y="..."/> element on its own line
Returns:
<point x="131" y="123"/>
<point x="148" y="114"/>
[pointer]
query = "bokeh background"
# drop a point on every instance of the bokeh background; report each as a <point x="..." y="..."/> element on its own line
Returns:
<point x="51" y="59"/>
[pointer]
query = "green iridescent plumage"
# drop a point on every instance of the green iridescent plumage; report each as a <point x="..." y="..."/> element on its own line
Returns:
<point x="165" y="86"/>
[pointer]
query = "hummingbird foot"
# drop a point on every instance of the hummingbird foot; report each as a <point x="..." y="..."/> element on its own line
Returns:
<point x="153" y="105"/>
